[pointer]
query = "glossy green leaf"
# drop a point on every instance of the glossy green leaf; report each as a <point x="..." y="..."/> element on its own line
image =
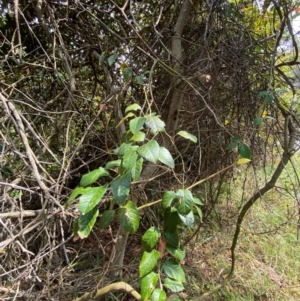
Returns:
<point x="171" y="220"/>
<point x="136" y="124"/>
<point x="90" y="198"/>
<point x="86" y="222"/>
<point x="138" y="137"/>
<point x="165" y="157"/>
<point x="113" y="164"/>
<point x="199" y="211"/>
<point x="127" y="74"/>
<point x="167" y="199"/>
<point x="93" y="176"/>
<point x="148" y="284"/>
<point x="137" y="169"/>
<point x="172" y="239"/>
<point x="150" y="151"/>
<point x="198" y="201"/>
<point x="106" y="218"/>
<point x="158" y="295"/>
<point x="173" y="270"/>
<point x="148" y="262"/>
<point x="178" y="253"/>
<point x="120" y="187"/>
<point x="129" y="159"/>
<point x="186" y="201"/>
<point x="173" y="285"/>
<point x="129" y="217"/>
<point x="154" y="123"/>
<point x="245" y="151"/>
<point x="188" y="219"/>
<point x="234" y="142"/>
<point x="188" y="136"/>
<point x="133" y="107"/>
<point x="120" y="151"/>
<point x="150" y="238"/>
<point x="258" y="121"/>
<point x="75" y="193"/>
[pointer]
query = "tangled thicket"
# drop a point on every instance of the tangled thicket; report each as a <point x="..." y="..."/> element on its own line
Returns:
<point x="68" y="71"/>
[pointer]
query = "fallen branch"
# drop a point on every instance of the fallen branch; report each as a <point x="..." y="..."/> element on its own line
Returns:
<point x="117" y="286"/>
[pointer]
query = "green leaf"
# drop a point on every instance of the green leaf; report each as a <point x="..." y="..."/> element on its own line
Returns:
<point x="150" y="238"/>
<point x="139" y="79"/>
<point x="199" y="211"/>
<point x="137" y="169"/>
<point x="269" y="98"/>
<point x="102" y="57"/>
<point x="172" y="239"/>
<point x="263" y="93"/>
<point x="154" y="123"/>
<point x="167" y="199"/>
<point x="150" y="151"/>
<point x="267" y="95"/>
<point x="74" y="194"/>
<point x="130" y="114"/>
<point x="129" y="159"/>
<point x="234" y="142"/>
<point x="86" y="222"/>
<point x="76" y="226"/>
<point x="188" y="219"/>
<point x="136" y="124"/>
<point x="120" y="187"/>
<point x="90" y="198"/>
<point x="198" y="201"/>
<point x="148" y="284"/>
<point x="138" y="137"/>
<point x="178" y="253"/>
<point x="120" y="151"/>
<point x="171" y="220"/>
<point x="173" y="285"/>
<point x="112" y="58"/>
<point x="258" y="121"/>
<point x="188" y="136"/>
<point x="113" y="164"/>
<point x="173" y="270"/>
<point x="133" y="107"/>
<point x="148" y="262"/>
<point x="158" y="295"/>
<point x="127" y="74"/>
<point x="245" y="151"/>
<point x="106" y="218"/>
<point x="129" y="217"/>
<point x="165" y="157"/>
<point x="93" y="176"/>
<point x="186" y="201"/>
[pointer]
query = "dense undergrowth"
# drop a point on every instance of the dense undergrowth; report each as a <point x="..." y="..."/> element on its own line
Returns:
<point x="267" y="265"/>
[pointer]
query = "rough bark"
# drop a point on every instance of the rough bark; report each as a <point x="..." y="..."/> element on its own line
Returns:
<point x="178" y="84"/>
